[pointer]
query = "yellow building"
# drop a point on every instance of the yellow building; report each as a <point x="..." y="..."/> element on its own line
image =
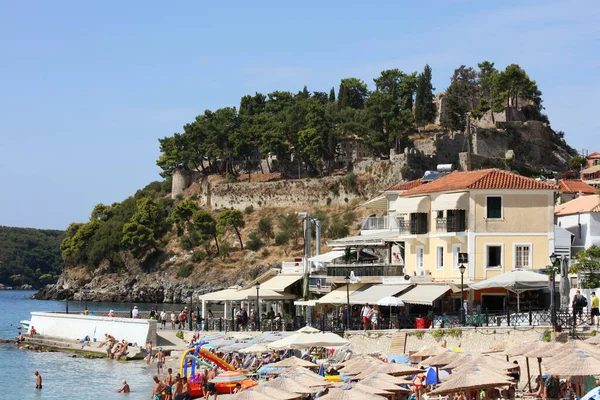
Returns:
<point x="500" y="219"/>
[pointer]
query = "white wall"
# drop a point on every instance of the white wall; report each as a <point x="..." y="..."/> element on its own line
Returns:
<point x="73" y="326"/>
<point x="571" y="223"/>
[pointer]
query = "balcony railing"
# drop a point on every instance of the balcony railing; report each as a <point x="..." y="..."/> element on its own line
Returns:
<point x="411" y="228"/>
<point x="444" y="225"/>
<point x="376" y="223"/>
<point x="364" y="270"/>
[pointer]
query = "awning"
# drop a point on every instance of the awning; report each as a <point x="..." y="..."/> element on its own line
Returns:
<point x="376" y="292"/>
<point x="279" y="283"/>
<point x="327" y="257"/>
<point x="339" y="295"/>
<point x="308" y="303"/>
<point x="407" y="205"/>
<point x="424" y="294"/>
<point x="220" y="295"/>
<point x="376" y="239"/>
<point x="377" y="203"/>
<point x="264" y="294"/>
<point x="451" y="201"/>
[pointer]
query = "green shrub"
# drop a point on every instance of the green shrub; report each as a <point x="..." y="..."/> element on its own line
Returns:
<point x="224" y="250"/>
<point x="198" y="256"/>
<point x="265" y="227"/>
<point x="593" y="333"/>
<point x="438" y="334"/>
<point x="546" y="336"/>
<point x="179" y="334"/>
<point x="249" y="210"/>
<point x="186" y="243"/>
<point x="329" y="201"/>
<point x="185" y="270"/>
<point x="254" y="243"/>
<point x="282" y="238"/>
<point x="454" y="332"/>
<point x="265" y="253"/>
<point x="418" y="334"/>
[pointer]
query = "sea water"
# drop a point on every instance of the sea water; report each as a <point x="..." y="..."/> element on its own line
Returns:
<point x="64" y="377"/>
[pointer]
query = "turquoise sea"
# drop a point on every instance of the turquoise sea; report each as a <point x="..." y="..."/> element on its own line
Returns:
<point x="64" y="377"/>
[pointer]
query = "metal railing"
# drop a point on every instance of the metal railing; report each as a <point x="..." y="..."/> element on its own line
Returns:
<point x="406" y="227"/>
<point x="364" y="270"/>
<point x="376" y="223"/>
<point x="451" y="224"/>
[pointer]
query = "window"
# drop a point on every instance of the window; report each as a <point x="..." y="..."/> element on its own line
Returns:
<point x="418" y="223"/>
<point x="493" y="256"/>
<point x="596" y="162"/>
<point x="494" y="207"/>
<point x="522" y="256"/>
<point x="420" y="257"/>
<point x="439" y="253"/>
<point x="440" y="214"/>
<point x="456" y="248"/>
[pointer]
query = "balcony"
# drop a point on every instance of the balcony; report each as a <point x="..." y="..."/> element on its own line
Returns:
<point x="452" y="224"/>
<point x="376" y="223"/>
<point x="418" y="227"/>
<point x="364" y="270"/>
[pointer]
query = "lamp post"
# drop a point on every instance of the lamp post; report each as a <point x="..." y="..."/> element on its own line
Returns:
<point x="553" y="258"/>
<point x="257" y="286"/>
<point x="66" y="287"/>
<point x="462" y="269"/>
<point x="191" y="308"/>
<point x="347" y="279"/>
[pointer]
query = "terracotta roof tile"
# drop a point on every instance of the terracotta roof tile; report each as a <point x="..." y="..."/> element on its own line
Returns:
<point x="406" y="185"/>
<point x="576" y="186"/>
<point x="579" y="205"/>
<point x="594" y="155"/>
<point x="481" y="179"/>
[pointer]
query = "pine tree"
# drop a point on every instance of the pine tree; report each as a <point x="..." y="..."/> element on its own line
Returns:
<point x="332" y="95"/>
<point x="342" y="96"/>
<point x="424" y="106"/>
<point x="305" y="94"/>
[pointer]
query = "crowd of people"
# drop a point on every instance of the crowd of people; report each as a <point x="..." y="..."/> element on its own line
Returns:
<point x="172" y="387"/>
<point x="114" y="348"/>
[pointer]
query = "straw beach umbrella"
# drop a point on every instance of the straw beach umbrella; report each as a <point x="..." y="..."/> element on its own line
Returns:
<point x="298" y="370"/>
<point x="252" y="395"/>
<point x="442" y="359"/>
<point x="578" y="364"/>
<point x="360" y="359"/>
<point x="255" y="348"/>
<point x="309" y="381"/>
<point x="429" y="351"/>
<point x="498" y="347"/>
<point x="287" y="384"/>
<point x="276" y="393"/>
<point x="350" y="394"/>
<point x="375" y="382"/>
<point x="294" y="362"/>
<point x="369" y="389"/>
<point x="357" y="368"/>
<point x="467" y="381"/>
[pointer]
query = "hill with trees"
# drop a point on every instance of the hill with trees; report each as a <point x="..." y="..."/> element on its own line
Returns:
<point x="29" y="257"/>
<point x="308" y="125"/>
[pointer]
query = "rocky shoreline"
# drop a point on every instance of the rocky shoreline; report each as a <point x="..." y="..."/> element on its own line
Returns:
<point x="145" y="288"/>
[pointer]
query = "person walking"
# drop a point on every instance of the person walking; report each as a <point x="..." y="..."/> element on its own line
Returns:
<point x="163" y="319"/>
<point x="374" y="317"/>
<point x="38" y="380"/>
<point x="173" y="320"/>
<point x="579" y="302"/>
<point x="595" y="310"/>
<point x="365" y="316"/>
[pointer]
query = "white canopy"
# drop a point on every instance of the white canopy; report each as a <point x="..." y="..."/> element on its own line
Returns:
<point x="375" y="293"/>
<point x="418" y="204"/>
<point x="451" y="201"/>
<point x="255" y="348"/>
<point x="220" y="295"/>
<point x="424" y="294"/>
<point x="327" y="257"/>
<point x="340" y="295"/>
<point x="280" y="282"/>
<point x="516" y="281"/>
<point x="375" y="239"/>
<point x="299" y="341"/>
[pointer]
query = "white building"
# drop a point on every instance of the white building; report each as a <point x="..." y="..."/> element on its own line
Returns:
<point x="581" y="217"/>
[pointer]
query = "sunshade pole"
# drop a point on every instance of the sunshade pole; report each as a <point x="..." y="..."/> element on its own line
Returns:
<point x="540" y="368"/>
<point x="528" y="373"/>
<point x="437" y="375"/>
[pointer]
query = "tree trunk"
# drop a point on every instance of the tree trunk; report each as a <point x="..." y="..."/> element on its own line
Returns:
<point x="239" y="237"/>
<point x="216" y="242"/>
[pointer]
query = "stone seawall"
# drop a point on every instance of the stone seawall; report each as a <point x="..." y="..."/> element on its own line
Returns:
<point x="471" y="340"/>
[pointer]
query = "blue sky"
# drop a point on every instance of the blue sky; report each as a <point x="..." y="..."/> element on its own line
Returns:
<point x="87" y="88"/>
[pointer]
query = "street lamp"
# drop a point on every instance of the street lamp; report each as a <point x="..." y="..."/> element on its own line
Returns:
<point x="66" y="287"/>
<point x="553" y="259"/>
<point x="462" y="269"/>
<point x="257" y="286"/>
<point x="347" y="279"/>
<point x="191" y="308"/>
